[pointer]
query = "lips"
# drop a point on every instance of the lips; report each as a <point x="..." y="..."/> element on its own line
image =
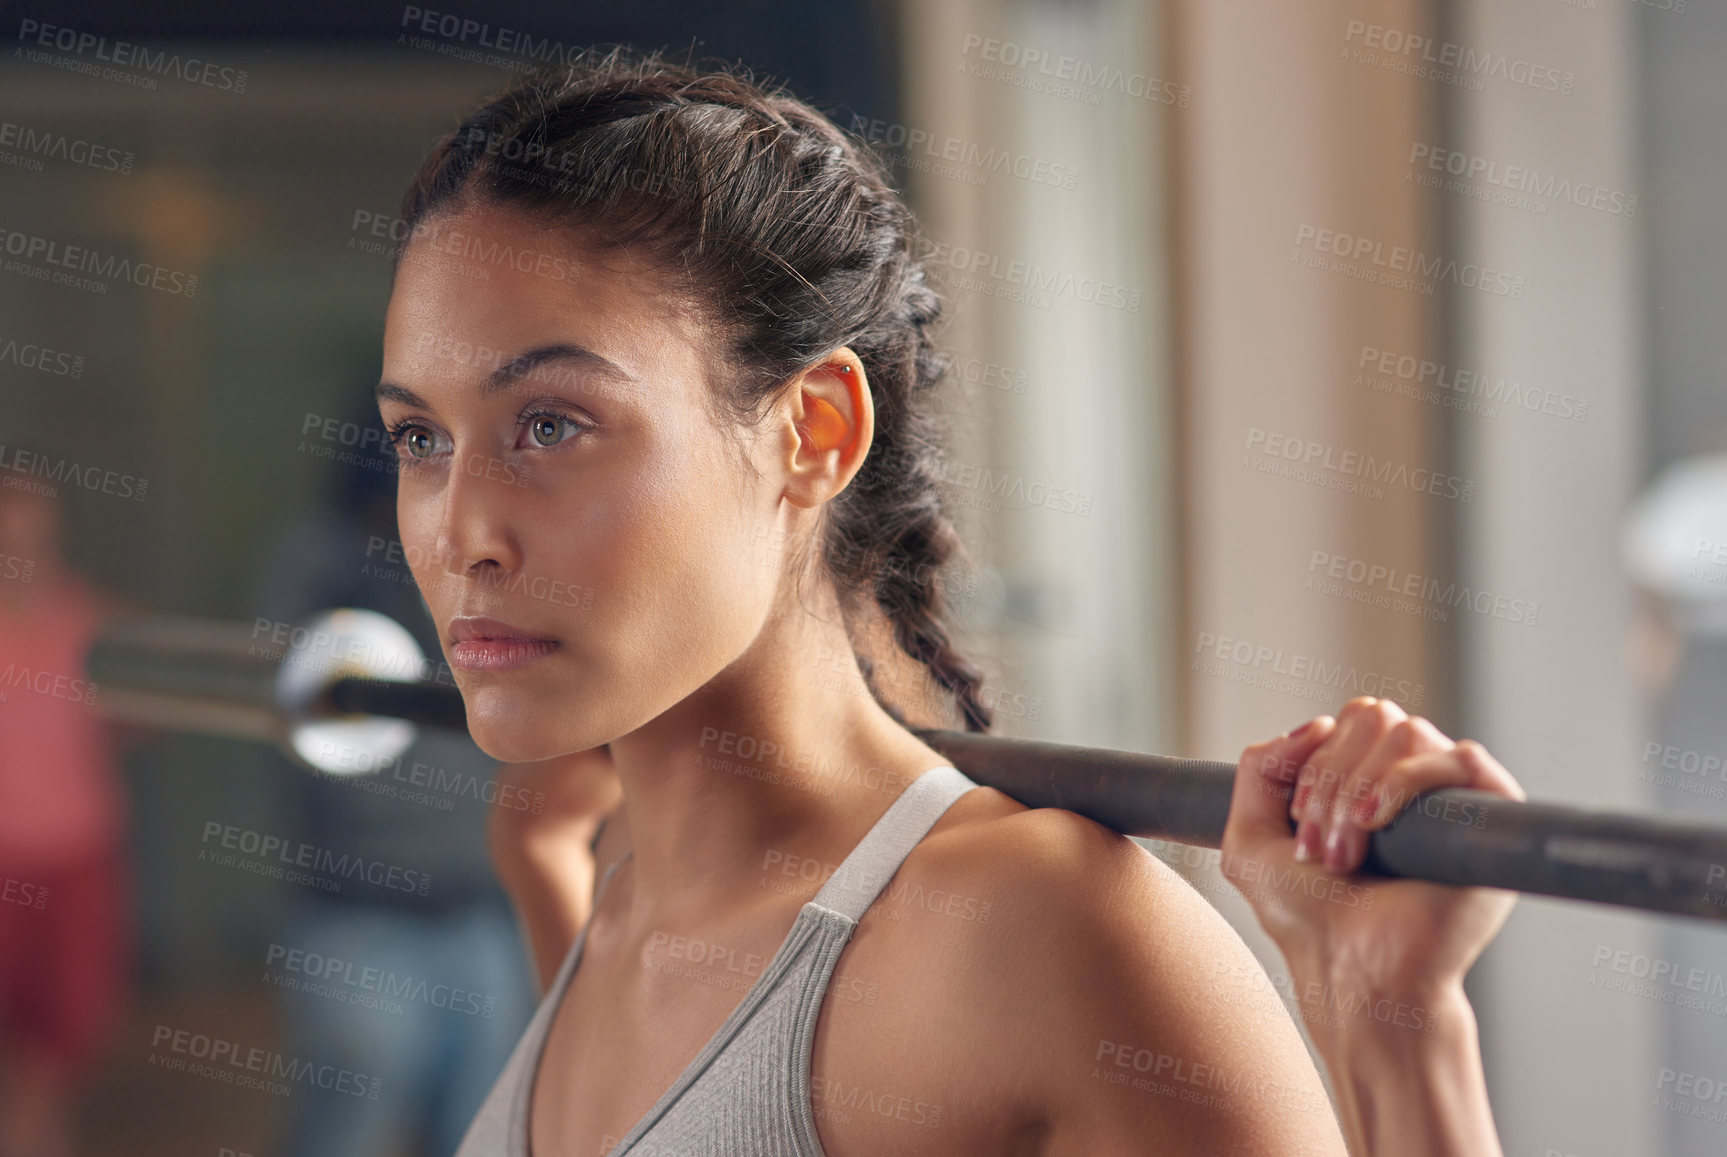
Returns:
<point x="478" y="643"/>
<point x="466" y="627"/>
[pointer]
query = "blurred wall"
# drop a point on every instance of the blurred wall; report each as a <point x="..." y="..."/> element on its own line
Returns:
<point x="1041" y="200"/>
<point x="1574" y="1068"/>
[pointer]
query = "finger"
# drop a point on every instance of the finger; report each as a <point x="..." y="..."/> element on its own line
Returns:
<point x="1344" y="840"/>
<point x="1359" y="726"/>
<point x="1280" y="759"/>
<point x="1259" y="802"/>
<point x="1467" y="764"/>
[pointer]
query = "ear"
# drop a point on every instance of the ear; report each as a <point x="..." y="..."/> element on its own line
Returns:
<point x="830" y="424"/>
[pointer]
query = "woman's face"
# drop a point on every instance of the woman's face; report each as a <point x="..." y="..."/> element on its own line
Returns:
<point x="561" y="474"/>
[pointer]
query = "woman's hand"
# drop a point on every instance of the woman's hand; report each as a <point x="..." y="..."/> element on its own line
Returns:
<point x="541" y="834"/>
<point x="1351" y="776"/>
<point x="1383" y="960"/>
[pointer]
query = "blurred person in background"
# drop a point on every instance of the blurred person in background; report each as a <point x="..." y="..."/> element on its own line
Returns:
<point x="452" y="957"/>
<point x="65" y="915"/>
<point x="1674" y="548"/>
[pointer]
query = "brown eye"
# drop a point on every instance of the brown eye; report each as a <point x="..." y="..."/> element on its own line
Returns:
<point x="548" y="430"/>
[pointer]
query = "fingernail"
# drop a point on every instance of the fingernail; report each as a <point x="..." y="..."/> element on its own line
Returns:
<point x="1357" y="847"/>
<point x="1306" y="840"/>
<point x="1303" y="729"/>
<point x="1335" y="848"/>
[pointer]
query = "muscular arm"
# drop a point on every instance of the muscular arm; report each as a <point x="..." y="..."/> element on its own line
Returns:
<point x="545" y="853"/>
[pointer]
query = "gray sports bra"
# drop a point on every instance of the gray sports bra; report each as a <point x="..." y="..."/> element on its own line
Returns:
<point x="747" y="1093"/>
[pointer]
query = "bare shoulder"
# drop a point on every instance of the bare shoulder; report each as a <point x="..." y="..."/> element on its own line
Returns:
<point x="1113" y="1001"/>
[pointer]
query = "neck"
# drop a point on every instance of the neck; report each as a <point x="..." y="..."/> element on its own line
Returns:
<point x="783" y="760"/>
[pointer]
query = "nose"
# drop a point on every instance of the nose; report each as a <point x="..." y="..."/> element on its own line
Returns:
<point x="476" y="539"/>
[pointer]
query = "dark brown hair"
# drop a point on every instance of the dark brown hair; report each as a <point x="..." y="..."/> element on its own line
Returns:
<point x="788" y="233"/>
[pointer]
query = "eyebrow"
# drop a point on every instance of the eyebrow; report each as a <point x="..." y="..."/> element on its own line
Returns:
<point x="506" y="376"/>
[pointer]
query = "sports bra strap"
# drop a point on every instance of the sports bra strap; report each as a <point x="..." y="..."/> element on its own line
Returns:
<point x="860" y="878"/>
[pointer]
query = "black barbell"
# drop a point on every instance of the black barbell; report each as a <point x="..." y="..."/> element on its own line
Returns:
<point x="356" y="680"/>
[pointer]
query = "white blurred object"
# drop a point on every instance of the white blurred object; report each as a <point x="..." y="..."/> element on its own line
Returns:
<point x="336" y="644"/>
<point x="1675" y="542"/>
